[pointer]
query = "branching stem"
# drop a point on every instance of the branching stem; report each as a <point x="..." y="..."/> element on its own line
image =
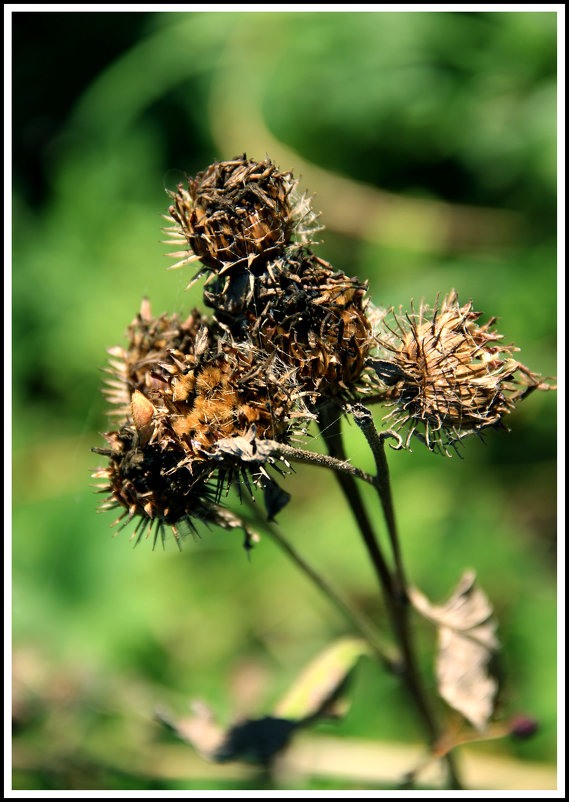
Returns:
<point x="394" y="592"/>
<point x="384" y="652"/>
<point x="393" y="586"/>
<point x="339" y="466"/>
<point x="376" y="442"/>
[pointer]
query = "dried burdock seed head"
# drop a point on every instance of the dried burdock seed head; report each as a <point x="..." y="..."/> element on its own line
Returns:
<point x="139" y="366"/>
<point x="183" y="388"/>
<point x="153" y="486"/>
<point x="225" y="395"/>
<point x="333" y="338"/>
<point x="174" y="447"/>
<point x="449" y="375"/>
<point x="238" y="215"/>
<point x="313" y="317"/>
<point x="157" y="488"/>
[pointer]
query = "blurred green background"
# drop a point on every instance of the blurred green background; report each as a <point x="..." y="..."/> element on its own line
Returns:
<point x="429" y="140"/>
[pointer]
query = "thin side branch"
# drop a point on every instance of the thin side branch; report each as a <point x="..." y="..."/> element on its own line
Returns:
<point x="342" y="466"/>
<point x="383" y="651"/>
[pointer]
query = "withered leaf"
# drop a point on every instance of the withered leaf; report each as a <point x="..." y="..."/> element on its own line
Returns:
<point x="247" y="740"/>
<point x="317" y="692"/>
<point x="466" y="644"/>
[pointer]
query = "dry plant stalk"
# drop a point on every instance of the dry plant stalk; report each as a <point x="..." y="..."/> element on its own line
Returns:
<point x="206" y="402"/>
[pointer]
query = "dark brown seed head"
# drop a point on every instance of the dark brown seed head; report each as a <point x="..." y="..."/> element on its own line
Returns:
<point x="312" y="316"/>
<point x="153" y="486"/>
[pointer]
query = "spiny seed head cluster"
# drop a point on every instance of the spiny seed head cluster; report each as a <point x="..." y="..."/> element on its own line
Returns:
<point x="178" y="389"/>
<point x="287" y="333"/>
<point x="198" y="401"/>
<point x="449" y="374"/>
<point x="245" y="223"/>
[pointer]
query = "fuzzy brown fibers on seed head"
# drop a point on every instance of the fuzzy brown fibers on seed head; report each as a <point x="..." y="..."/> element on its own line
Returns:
<point x="186" y="386"/>
<point x="153" y="343"/>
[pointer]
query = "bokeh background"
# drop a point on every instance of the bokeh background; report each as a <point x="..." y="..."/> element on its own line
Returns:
<point x="429" y="141"/>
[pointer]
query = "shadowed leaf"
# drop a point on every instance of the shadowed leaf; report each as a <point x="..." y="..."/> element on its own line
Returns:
<point x="275" y="498"/>
<point x="255" y="740"/>
<point x="248" y="740"/>
<point x="467" y="642"/>
<point x="316" y="693"/>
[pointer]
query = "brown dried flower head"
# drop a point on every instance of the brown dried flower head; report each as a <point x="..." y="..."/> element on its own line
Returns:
<point x="190" y="387"/>
<point x="450" y="374"/>
<point x="238" y="215"/>
<point x="153" y="486"/>
<point x="313" y="317"/>
<point x="182" y="393"/>
<point x="318" y="320"/>
<point x="226" y="395"/>
<point x="150" y="341"/>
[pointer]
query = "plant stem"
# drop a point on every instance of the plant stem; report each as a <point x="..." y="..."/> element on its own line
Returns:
<point x="330" y="427"/>
<point x="339" y="466"/>
<point x="376" y="442"/>
<point x="382" y="651"/>
<point x="394" y="590"/>
<point x="395" y="593"/>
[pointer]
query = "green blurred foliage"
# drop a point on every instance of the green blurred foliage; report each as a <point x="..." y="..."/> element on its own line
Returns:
<point x="457" y="103"/>
<point x="454" y="107"/>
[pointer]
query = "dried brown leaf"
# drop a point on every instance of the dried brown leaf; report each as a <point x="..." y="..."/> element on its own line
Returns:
<point x="466" y="644"/>
<point x="247" y="740"/>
